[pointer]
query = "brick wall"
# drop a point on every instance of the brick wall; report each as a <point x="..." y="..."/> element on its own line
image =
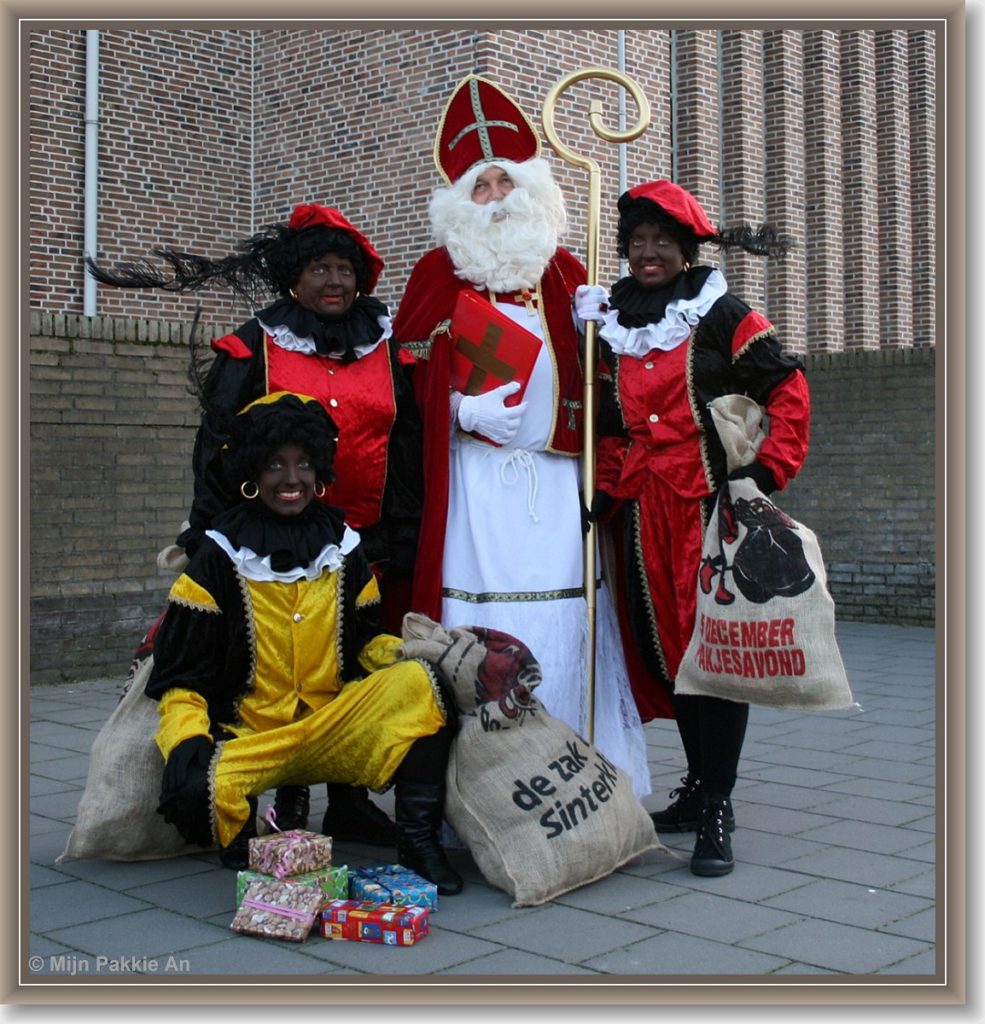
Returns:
<point x="867" y="488"/>
<point x="207" y="134"/>
<point x="112" y="426"/>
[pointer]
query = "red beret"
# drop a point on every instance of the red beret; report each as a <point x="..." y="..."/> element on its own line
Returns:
<point x="676" y="202"/>
<point x="311" y="215"/>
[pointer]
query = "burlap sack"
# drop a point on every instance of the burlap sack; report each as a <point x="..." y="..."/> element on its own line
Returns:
<point x="117" y="817"/>
<point x="764" y="630"/>
<point x="540" y="809"/>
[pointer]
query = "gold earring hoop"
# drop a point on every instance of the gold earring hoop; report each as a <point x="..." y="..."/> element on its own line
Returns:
<point x="249" y="483"/>
<point x="293" y="294"/>
<point x="321" y="493"/>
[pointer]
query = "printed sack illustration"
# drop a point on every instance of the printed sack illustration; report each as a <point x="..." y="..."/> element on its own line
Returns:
<point x="764" y="629"/>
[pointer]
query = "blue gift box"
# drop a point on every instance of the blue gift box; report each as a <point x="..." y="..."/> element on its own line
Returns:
<point x="392" y="883"/>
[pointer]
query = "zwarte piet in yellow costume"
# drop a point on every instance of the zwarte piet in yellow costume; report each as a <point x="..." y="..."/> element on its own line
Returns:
<point x="270" y="668"/>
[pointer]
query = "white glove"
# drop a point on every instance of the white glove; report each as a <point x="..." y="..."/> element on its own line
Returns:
<point x="487" y="415"/>
<point x="588" y="300"/>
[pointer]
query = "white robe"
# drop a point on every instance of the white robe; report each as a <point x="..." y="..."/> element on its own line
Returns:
<point x="513" y="561"/>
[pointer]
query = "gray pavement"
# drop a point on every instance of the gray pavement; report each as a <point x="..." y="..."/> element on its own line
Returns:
<point x="835" y="873"/>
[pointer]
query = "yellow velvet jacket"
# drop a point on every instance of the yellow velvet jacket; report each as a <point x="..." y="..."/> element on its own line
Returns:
<point x="236" y="655"/>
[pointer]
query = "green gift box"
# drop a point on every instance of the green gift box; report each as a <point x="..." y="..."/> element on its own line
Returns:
<point x="333" y="882"/>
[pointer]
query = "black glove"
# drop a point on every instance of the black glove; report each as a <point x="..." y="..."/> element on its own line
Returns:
<point x="185" y="790"/>
<point x="602" y="503"/>
<point x="760" y="475"/>
<point x="190" y="540"/>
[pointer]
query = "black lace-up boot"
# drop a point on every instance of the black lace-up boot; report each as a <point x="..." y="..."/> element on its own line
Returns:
<point x="684" y="814"/>
<point x="713" y="847"/>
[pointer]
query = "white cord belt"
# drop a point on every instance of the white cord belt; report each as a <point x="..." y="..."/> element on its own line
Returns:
<point x="509" y="473"/>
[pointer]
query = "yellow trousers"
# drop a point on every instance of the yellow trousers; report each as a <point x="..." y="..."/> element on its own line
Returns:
<point x="360" y="738"/>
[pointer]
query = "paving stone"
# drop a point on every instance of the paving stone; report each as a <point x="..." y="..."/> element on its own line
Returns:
<point x="753" y="847"/>
<point x="238" y="955"/>
<point x="805" y="739"/>
<point x="858" y="866"/>
<point x="62" y="806"/>
<point x="887" y="751"/>
<point x="858" y="835"/>
<point x="40" y="786"/>
<point x="865" y="769"/>
<point x="517" y="962"/>
<point x="127" y="876"/>
<point x="197" y="895"/>
<point x="922" y="925"/>
<point x="145" y="933"/>
<point x="860" y="808"/>
<point x="845" y="903"/>
<point x="881" y="789"/>
<point x="777" y="794"/>
<point x="923" y="883"/>
<point x="57" y="907"/>
<point x="922" y="964"/>
<point x="42" y="876"/>
<point x="436" y="952"/>
<point x="672" y="954"/>
<point x="615" y="895"/>
<point x="70" y="769"/>
<point x="565" y="933"/>
<point x="710" y="916"/>
<point x="835" y="946"/>
<point x="778" y="820"/>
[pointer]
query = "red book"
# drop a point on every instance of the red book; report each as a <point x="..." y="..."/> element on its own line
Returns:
<point x="489" y="349"/>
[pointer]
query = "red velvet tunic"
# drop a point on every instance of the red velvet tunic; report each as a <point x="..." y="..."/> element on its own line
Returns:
<point x="659" y="452"/>
<point x="359" y="397"/>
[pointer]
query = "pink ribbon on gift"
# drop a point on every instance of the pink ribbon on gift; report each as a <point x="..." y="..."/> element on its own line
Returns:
<point x="274" y="908"/>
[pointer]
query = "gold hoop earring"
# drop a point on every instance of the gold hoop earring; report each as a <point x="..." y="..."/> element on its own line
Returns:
<point x="249" y="483"/>
<point x="687" y="266"/>
<point x="294" y="295"/>
<point x="321" y="493"/>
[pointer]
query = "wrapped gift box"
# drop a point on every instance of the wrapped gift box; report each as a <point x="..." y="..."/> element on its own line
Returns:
<point x="392" y="883"/>
<point x="363" y="921"/>
<point x="278" y="910"/>
<point x="290" y="853"/>
<point x="332" y="882"/>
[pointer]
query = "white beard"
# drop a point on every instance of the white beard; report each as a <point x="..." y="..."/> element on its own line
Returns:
<point x="503" y="245"/>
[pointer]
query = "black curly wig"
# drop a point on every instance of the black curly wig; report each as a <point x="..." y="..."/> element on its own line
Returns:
<point x="633" y="211"/>
<point x="266" y="426"/>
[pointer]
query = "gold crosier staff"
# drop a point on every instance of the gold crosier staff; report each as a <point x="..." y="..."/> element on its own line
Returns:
<point x="591" y="265"/>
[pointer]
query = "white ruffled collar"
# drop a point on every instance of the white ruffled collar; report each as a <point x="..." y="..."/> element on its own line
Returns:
<point x="286" y="339"/>
<point x="673" y="329"/>
<point x="249" y="564"/>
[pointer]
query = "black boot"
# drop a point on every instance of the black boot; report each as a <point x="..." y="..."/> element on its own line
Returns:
<point x="419" y="807"/>
<point x="684" y="814"/>
<point x="713" y="847"/>
<point x="351" y="815"/>
<point x="291" y="807"/>
<point x="237" y="854"/>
